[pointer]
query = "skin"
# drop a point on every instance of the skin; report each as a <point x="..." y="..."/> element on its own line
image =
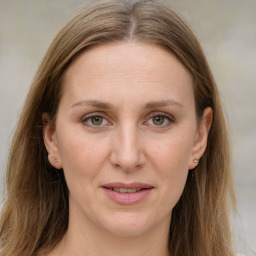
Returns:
<point x="134" y="140"/>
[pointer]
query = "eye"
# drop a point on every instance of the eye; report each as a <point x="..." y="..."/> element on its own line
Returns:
<point x="160" y="119"/>
<point x="94" y="120"/>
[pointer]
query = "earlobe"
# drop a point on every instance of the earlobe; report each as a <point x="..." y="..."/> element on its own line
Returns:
<point x="200" y="143"/>
<point x="50" y="141"/>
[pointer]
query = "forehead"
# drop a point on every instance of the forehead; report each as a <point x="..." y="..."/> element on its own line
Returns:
<point x="146" y="69"/>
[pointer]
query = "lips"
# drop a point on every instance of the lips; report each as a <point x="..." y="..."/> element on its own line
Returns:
<point x="127" y="193"/>
<point x="126" y="190"/>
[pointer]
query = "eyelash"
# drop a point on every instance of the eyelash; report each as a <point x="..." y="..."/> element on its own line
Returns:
<point x="90" y="116"/>
<point x="168" y="118"/>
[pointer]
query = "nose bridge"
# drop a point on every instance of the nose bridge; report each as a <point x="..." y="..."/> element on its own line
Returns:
<point x="127" y="151"/>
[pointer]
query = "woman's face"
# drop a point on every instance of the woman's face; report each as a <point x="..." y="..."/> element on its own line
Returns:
<point x="126" y="136"/>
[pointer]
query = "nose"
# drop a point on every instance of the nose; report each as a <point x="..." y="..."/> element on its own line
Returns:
<point x="127" y="150"/>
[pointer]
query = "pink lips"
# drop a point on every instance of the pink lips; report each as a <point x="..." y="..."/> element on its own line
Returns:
<point x="127" y="198"/>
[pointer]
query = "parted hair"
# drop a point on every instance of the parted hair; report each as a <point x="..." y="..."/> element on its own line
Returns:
<point x="35" y="209"/>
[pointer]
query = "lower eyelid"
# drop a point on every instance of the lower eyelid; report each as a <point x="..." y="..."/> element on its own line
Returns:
<point x="167" y="122"/>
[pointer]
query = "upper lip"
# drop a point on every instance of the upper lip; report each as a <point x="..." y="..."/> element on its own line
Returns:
<point x="127" y="185"/>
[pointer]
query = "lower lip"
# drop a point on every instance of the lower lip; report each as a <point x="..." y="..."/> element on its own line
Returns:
<point x="127" y="198"/>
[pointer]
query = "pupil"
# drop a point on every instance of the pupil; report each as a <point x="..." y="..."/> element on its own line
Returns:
<point x="158" y="120"/>
<point x="97" y="120"/>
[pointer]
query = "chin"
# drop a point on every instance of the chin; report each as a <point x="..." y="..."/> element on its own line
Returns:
<point x="127" y="224"/>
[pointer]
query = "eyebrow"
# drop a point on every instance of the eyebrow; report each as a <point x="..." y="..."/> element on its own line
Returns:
<point x="93" y="103"/>
<point x="164" y="103"/>
<point x="105" y="105"/>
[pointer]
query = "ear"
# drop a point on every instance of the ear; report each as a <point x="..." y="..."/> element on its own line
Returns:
<point x="200" y="143"/>
<point x="50" y="141"/>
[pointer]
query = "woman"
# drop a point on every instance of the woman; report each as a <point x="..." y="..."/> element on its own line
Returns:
<point x="121" y="147"/>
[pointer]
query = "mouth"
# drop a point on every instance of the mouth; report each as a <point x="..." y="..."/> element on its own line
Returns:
<point x="126" y="190"/>
<point x="127" y="194"/>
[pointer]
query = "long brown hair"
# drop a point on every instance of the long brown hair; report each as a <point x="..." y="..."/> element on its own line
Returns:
<point x="35" y="212"/>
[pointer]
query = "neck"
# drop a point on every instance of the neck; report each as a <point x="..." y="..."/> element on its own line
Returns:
<point x="89" y="240"/>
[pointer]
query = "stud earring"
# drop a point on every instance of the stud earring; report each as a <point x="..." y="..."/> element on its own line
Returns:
<point x="55" y="161"/>
<point x="196" y="160"/>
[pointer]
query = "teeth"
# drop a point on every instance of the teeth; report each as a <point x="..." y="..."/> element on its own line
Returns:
<point x="126" y="190"/>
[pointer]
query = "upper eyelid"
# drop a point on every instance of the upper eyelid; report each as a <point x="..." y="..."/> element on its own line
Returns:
<point x="94" y="114"/>
<point x="153" y="113"/>
<point x="160" y="113"/>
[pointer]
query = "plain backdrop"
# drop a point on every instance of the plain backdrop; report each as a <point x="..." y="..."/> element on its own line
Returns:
<point x="227" y="32"/>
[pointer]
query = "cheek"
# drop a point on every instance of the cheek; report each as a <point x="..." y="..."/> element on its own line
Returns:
<point x="173" y="155"/>
<point x="82" y="159"/>
<point x="171" y="161"/>
<point x="81" y="155"/>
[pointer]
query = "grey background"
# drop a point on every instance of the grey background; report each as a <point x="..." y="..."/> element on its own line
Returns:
<point x="227" y="32"/>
